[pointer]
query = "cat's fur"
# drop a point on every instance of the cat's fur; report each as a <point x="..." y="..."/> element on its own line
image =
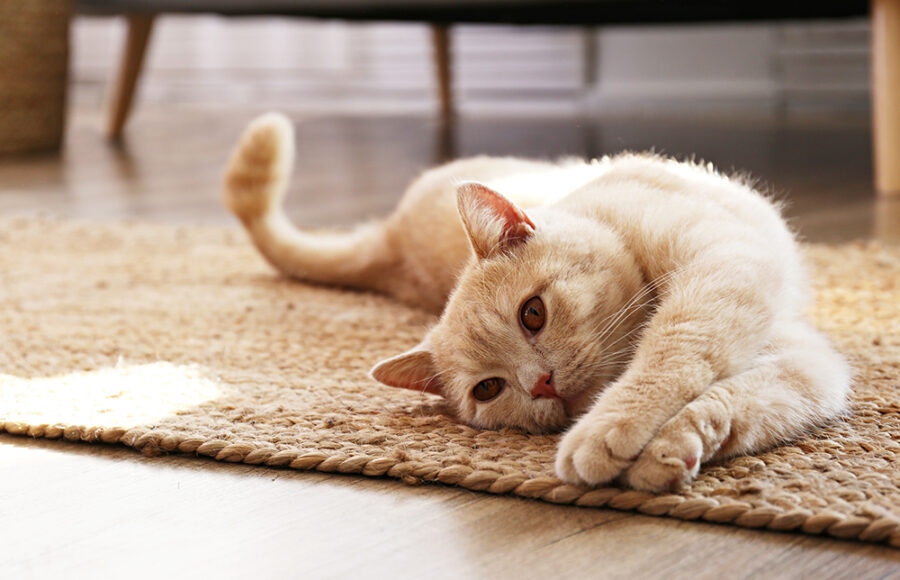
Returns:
<point x="674" y="300"/>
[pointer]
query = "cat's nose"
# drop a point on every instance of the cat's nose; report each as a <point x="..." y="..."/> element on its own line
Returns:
<point x="544" y="387"/>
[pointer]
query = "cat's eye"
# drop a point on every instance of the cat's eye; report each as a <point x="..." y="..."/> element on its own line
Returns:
<point x="533" y="315"/>
<point x="488" y="389"/>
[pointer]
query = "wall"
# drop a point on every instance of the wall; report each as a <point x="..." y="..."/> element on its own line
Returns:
<point x="338" y="67"/>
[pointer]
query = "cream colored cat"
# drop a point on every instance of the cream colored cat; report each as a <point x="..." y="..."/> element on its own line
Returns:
<point x="657" y="304"/>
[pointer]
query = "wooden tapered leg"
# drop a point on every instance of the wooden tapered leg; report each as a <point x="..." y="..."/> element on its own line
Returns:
<point x="443" y="61"/>
<point x="122" y="93"/>
<point x="886" y="96"/>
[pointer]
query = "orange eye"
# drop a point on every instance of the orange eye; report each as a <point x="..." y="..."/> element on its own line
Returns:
<point x="533" y="314"/>
<point x="488" y="389"/>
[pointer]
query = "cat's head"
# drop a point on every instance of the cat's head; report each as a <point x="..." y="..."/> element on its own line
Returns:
<point x="541" y="319"/>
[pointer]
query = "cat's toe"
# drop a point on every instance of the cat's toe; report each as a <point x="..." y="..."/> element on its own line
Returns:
<point x="574" y="440"/>
<point x="666" y="464"/>
<point x="565" y="469"/>
<point x="595" y="452"/>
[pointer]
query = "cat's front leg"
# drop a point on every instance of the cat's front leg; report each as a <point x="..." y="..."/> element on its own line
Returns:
<point x="611" y="436"/>
<point x="714" y="315"/>
<point x="798" y="382"/>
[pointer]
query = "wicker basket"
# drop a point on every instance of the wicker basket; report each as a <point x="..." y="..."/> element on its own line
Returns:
<point x="34" y="56"/>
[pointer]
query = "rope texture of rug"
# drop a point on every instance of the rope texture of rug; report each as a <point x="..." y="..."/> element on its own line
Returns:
<point x="182" y="340"/>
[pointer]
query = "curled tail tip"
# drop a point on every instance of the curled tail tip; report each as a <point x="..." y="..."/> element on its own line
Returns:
<point x="273" y="118"/>
<point x="259" y="167"/>
<point x="271" y="127"/>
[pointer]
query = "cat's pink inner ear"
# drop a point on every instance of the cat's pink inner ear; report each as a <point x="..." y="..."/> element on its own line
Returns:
<point x="412" y="370"/>
<point x="492" y="222"/>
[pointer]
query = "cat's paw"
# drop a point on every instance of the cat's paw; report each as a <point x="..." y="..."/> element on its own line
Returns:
<point x="598" y="448"/>
<point x="674" y="456"/>
<point x="666" y="463"/>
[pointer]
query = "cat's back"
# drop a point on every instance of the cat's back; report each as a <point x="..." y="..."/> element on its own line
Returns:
<point x="670" y="192"/>
<point x="527" y="182"/>
<point x="668" y="211"/>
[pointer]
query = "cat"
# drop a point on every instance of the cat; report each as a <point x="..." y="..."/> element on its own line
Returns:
<point x="655" y="308"/>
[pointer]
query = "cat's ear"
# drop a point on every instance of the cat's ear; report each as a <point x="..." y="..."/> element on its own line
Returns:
<point x="414" y="369"/>
<point x="492" y="222"/>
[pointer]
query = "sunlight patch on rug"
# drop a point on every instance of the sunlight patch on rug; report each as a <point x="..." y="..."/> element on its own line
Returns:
<point x="125" y="396"/>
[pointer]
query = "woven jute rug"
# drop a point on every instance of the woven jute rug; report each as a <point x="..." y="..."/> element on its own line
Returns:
<point x="182" y="340"/>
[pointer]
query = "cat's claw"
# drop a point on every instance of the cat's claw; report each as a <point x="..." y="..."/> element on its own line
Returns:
<point x="666" y="463"/>
<point x="596" y="450"/>
<point x="675" y="454"/>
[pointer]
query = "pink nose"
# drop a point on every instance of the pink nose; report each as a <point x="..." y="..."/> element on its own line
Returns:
<point x="544" y="388"/>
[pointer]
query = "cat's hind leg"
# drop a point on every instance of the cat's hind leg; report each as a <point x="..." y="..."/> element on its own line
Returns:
<point x="255" y="182"/>
<point x="796" y="384"/>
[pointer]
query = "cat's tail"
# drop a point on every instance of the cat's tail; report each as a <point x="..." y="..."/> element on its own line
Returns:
<point x="256" y="179"/>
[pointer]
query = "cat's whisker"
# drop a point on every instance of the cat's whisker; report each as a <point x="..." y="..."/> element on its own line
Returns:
<point x="637" y="329"/>
<point x="428" y="379"/>
<point x="589" y="364"/>
<point x="610" y="361"/>
<point x="623" y="314"/>
<point x="616" y="314"/>
<point x="646" y="290"/>
<point x="635" y="303"/>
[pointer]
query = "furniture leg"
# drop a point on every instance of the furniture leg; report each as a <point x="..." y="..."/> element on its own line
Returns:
<point x="886" y="96"/>
<point x="440" y="37"/>
<point x="122" y="95"/>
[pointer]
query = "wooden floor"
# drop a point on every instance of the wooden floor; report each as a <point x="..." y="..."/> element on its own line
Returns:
<point x="77" y="510"/>
<point x="350" y="169"/>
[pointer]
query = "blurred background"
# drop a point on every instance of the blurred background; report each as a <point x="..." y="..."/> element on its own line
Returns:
<point x="786" y="99"/>
<point x="386" y="68"/>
